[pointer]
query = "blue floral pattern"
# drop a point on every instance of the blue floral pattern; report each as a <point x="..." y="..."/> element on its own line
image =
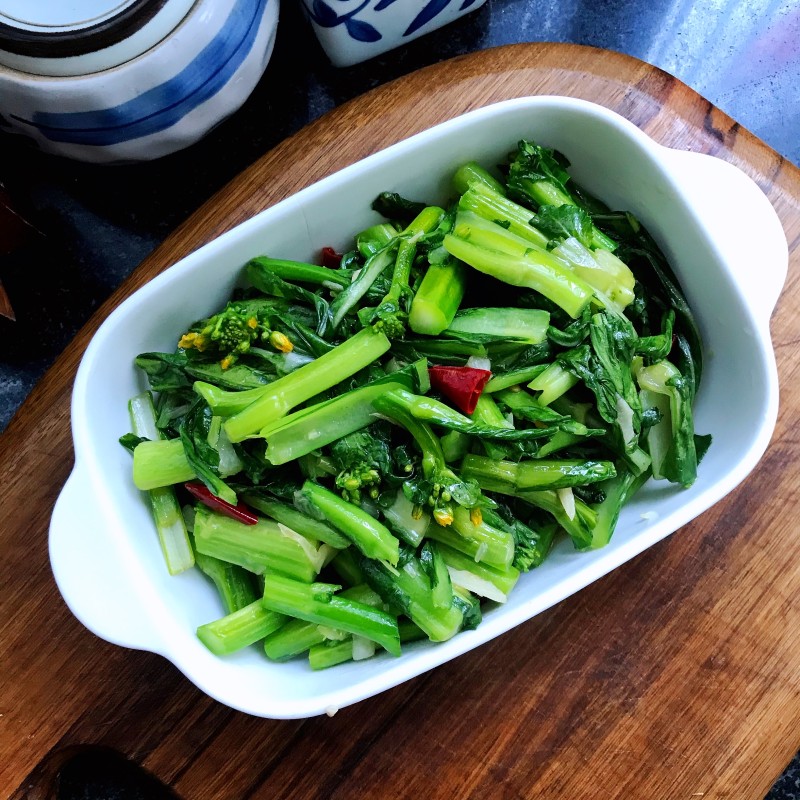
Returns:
<point x="429" y="11"/>
<point x="326" y="16"/>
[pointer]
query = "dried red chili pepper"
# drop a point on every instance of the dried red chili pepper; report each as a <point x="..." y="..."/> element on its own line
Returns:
<point x="239" y="512"/>
<point x="461" y="385"/>
<point x="330" y="258"/>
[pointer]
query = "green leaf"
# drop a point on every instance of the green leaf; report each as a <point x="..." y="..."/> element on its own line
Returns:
<point x="164" y="371"/>
<point x="572" y="334"/>
<point x="392" y="206"/>
<point x="562" y="222"/>
<point x="130" y="440"/>
<point x="537" y="163"/>
<point x="658" y="346"/>
<point x="581" y="363"/>
<point x="202" y="457"/>
<point x="260" y="276"/>
<point x="614" y="342"/>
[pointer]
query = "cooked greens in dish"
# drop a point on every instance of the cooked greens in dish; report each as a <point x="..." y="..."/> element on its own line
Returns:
<point x="363" y="452"/>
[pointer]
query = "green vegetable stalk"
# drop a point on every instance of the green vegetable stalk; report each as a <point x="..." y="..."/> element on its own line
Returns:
<point x="264" y="547"/>
<point x="244" y="627"/>
<point x="538" y="270"/>
<point x="167" y="514"/>
<point x="326" y="371"/>
<point x="439" y="295"/>
<point x="319" y="603"/>
<point x="371" y="537"/>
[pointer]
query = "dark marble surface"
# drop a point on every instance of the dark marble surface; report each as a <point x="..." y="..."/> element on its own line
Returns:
<point x="98" y="223"/>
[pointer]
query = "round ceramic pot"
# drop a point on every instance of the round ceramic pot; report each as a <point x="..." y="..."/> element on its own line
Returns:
<point x="126" y="80"/>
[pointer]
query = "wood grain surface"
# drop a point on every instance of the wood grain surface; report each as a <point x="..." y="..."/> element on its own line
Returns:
<point x="676" y="676"/>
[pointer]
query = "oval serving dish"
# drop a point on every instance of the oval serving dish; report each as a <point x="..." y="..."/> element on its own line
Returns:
<point x="711" y="220"/>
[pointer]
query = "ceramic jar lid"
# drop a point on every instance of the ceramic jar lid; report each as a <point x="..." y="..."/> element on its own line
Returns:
<point x="75" y="37"/>
<point x="75" y="15"/>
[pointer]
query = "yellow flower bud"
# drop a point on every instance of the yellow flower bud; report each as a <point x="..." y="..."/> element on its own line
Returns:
<point x="444" y="516"/>
<point x="281" y="342"/>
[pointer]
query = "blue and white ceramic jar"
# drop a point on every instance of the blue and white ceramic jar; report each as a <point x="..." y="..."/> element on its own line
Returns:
<point x="351" y="31"/>
<point x="123" y="80"/>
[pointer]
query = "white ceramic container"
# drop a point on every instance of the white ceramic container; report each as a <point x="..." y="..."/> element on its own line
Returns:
<point x="720" y="233"/>
<point x="84" y="81"/>
<point x="351" y="31"/>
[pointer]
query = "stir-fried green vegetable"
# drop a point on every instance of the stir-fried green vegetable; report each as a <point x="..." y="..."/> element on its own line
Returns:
<point x="369" y="449"/>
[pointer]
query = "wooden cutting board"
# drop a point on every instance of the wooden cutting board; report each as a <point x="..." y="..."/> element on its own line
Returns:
<point x="676" y="676"/>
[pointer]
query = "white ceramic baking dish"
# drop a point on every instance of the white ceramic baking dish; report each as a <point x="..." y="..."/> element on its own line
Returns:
<point x="719" y="231"/>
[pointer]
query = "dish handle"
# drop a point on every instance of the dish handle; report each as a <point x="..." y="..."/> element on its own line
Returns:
<point x="742" y="222"/>
<point x="105" y="600"/>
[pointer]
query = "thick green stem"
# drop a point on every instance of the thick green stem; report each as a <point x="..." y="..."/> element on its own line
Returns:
<point x="227" y="402"/>
<point x="408" y="591"/>
<point x="264" y="547"/>
<point x="471" y="173"/>
<point x="408" y="523"/>
<point x="374" y="238"/>
<point x="455" y="445"/>
<point x="240" y="629"/>
<point x="329" y="654"/>
<point x="491" y="205"/>
<point x="482" y="579"/>
<point x="491" y="235"/>
<point x="170" y="526"/>
<point x="515" y="377"/>
<point x="371" y="537"/>
<point x="482" y="542"/>
<point x="552" y="383"/>
<point x="601" y="269"/>
<point x="309" y="429"/>
<point x="309" y="380"/>
<point x="313" y="529"/>
<point x="546" y="193"/>
<point x="160" y="463"/>
<point x="317" y="603"/>
<point x="300" y="272"/>
<point x="234" y="583"/>
<point x="524" y="325"/>
<point x="537" y="474"/>
<point x="538" y="270"/>
<point x="294" y="638"/>
<point x="439" y="295"/>
<point x="297" y="636"/>
<point x="487" y="413"/>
